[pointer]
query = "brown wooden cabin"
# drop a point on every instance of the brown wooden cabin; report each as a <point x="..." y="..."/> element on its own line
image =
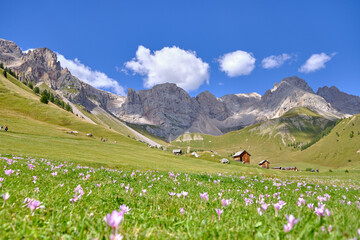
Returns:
<point x="177" y="152"/>
<point x="264" y="164"/>
<point x="290" y="168"/>
<point x="242" y="156"/>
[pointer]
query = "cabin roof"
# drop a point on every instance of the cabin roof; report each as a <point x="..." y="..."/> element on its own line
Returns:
<point x="263" y="161"/>
<point x="241" y="153"/>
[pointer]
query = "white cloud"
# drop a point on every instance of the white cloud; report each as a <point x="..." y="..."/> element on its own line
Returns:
<point x="316" y="62"/>
<point x="170" y="64"/>
<point x="94" y="78"/>
<point x="237" y="63"/>
<point x="275" y="61"/>
<point x="28" y="50"/>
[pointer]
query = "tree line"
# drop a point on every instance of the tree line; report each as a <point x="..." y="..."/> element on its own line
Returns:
<point x="45" y="96"/>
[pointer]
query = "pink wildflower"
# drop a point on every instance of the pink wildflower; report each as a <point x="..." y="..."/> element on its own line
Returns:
<point x="301" y="202"/>
<point x="124" y="209"/>
<point x="204" y="196"/>
<point x="5" y="197"/>
<point x="182" y="211"/>
<point x="219" y="212"/>
<point x="226" y="202"/>
<point x="9" y="172"/>
<point x="291" y="222"/>
<point x="114" y="219"/>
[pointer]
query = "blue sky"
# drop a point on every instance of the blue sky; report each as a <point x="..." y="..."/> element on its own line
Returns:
<point x="201" y="45"/>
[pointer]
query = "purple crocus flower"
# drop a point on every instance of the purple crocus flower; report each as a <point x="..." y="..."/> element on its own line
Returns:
<point x="205" y="196"/>
<point x="9" y="172"/>
<point x="114" y="219"/>
<point x="124" y="209"/>
<point x="34" y="204"/>
<point x="219" y="212"/>
<point x="5" y="197"/>
<point x="291" y="222"/>
<point x="182" y="211"/>
<point x="278" y="206"/>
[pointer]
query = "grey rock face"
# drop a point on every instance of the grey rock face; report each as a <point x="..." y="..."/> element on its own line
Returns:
<point x="341" y="101"/>
<point x="41" y="65"/>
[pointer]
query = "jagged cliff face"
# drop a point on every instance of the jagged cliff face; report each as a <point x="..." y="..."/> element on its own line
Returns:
<point x="41" y="66"/>
<point x="341" y="101"/>
<point x="174" y="112"/>
<point x="167" y="110"/>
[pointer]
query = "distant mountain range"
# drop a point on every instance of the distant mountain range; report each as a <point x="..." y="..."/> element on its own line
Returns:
<point x="168" y="111"/>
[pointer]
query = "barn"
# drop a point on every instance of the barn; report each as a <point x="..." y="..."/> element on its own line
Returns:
<point x="242" y="156"/>
<point x="264" y="164"/>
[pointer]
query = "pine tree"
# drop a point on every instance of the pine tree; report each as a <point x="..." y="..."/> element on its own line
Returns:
<point x="36" y="90"/>
<point x="68" y="108"/>
<point x="44" y="99"/>
<point x="51" y="97"/>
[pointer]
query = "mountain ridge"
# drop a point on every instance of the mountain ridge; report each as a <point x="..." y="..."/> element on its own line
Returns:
<point x="168" y="111"/>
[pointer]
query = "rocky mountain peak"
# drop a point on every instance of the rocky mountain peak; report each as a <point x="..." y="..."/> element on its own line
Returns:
<point x="294" y="82"/>
<point x="10" y="52"/>
<point x="341" y="101"/>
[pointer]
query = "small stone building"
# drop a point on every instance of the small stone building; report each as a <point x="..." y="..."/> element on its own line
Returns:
<point x="242" y="156"/>
<point x="264" y="164"/>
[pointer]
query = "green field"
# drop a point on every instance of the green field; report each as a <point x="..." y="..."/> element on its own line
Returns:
<point x="171" y="205"/>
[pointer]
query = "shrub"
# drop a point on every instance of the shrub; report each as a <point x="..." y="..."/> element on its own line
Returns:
<point x="349" y="160"/>
<point x="352" y="134"/>
<point x="330" y="170"/>
<point x="5" y="73"/>
<point x="30" y="85"/>
<point x="44" y="99"/>
<point x="36" y="90"/>
<point x="346" y="171"/>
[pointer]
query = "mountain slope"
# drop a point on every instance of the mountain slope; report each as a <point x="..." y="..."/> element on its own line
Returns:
<point x="274" y="139"/>
<point x="41" y="130"/>
<point x="174" y="112"/>
<point x="339" y="149"/>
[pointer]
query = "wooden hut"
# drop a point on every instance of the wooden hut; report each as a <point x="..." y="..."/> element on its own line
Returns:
<point x="177" y="152"/>
<point x="242" y="156"/>
<point x="290" y="168"/>
<point x="264" y="164"/>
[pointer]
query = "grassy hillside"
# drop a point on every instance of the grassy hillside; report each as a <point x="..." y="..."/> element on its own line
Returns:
<point x="275" y="140"/>
<point x="40" y="130"/>
<point x="340" y="149"/>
